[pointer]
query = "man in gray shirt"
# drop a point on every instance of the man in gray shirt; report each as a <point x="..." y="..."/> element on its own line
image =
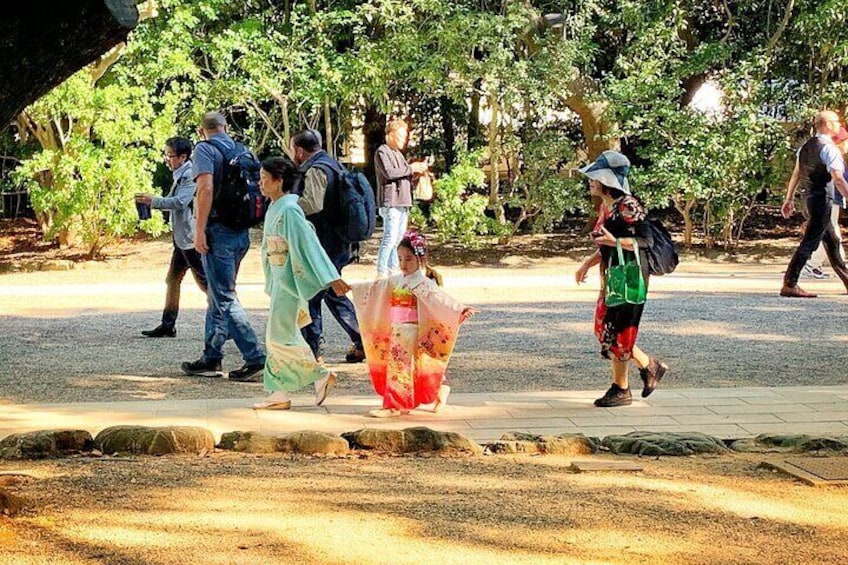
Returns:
<point x="184" y="257"/>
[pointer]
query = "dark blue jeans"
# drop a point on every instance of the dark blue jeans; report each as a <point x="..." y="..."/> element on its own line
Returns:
<point x="225" y="316"/>
<point x="340" y="307"/>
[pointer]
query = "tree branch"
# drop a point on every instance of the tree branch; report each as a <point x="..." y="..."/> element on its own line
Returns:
<point x="267" y="120"/>
<point x="103" y="64"/>
<point x="772" y="42"/>
<point x="731" y="22"/>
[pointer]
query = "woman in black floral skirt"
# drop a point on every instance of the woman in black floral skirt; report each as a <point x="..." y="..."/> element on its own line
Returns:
<point x="622" y="217"/>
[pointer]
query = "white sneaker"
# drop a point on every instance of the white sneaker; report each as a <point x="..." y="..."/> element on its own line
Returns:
<point x="809" y="272"/>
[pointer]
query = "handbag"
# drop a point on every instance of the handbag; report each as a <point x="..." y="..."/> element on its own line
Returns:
<point x="424" y="188"/>
<point x="624" y="281"/>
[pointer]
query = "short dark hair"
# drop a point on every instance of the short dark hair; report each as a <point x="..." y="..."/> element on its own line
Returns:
<point x="282" y="167"/>
<point x="179" y="145"/>
<point x="307" y="140"/>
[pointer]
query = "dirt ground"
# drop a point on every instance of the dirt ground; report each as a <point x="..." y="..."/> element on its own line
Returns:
<point x="239" y="509"/>
<point x="73" y="335"/>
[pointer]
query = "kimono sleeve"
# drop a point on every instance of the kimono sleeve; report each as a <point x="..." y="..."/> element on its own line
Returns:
<point x="438" y="302"/>
<point x="266" y="268"/>
<point x="311" y="268"/>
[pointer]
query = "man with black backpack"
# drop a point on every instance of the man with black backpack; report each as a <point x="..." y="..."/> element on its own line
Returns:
<point x="228" y="203"/>
<point x="321" y="194"/>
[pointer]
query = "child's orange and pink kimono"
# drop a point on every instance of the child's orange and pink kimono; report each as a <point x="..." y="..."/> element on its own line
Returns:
<point x="409" y="327"/>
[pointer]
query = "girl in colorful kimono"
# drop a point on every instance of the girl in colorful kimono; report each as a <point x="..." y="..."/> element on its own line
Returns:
<point x="409" y="328"/>
<point x="296" y="269"/>
<point x="623" y="219"/>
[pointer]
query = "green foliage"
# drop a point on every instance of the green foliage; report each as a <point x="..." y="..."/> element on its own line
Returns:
<point x="97" y="151"/>
<point x="458" y="213"/>
<point x="629" y="65"/>
<point x="546" y="187"/>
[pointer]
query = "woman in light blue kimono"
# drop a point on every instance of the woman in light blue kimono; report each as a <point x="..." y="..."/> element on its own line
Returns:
<point x="296" y="268"/>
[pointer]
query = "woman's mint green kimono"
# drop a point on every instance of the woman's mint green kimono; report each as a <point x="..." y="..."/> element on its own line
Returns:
<point x="296" y="268"/>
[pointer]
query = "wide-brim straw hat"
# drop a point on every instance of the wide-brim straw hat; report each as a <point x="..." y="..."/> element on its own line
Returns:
<point x="610" y="169"/>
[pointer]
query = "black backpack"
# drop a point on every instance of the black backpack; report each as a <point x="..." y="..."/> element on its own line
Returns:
<point x="237" y="201"/>
<point x="662" y="256"/>
<point x="349" y="204"/>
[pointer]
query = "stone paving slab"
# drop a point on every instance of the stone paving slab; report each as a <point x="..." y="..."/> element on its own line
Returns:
<point x="812" y="428"/>
<point x="481" y="416"/>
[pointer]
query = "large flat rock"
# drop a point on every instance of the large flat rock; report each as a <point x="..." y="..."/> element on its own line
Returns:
<point x="412" y="440"/>
<point x="45" y="444"/>
<point x="143" y="440"/>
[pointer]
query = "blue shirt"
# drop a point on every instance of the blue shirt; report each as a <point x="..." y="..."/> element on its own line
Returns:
<point x="208" y="160"/>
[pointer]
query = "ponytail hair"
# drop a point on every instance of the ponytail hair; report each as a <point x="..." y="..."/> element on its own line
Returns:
<point x="432" y="274"/>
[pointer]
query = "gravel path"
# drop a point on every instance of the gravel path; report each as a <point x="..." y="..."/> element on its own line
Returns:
<point x="74" y="337"/>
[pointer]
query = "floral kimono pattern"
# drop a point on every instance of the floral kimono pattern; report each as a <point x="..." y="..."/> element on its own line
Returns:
<point x="616" y="327"/>
<point x="409" y="328"/>
<point x="296" y="268"/>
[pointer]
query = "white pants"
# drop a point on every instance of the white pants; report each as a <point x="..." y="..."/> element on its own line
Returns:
<point x="818" y="257"/>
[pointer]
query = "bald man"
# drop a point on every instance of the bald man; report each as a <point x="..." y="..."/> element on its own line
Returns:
<point x="819" y="169"/>
<point x="221" y="249"/>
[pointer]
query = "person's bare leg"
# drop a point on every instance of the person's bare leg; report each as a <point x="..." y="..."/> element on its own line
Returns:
<point x="619" y="374"/>
<point x="640" y="358"/>
<point x="651" y="370"/>
<point x="619" y="393"/>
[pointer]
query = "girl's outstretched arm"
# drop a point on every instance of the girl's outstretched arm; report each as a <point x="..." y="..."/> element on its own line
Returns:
<point x="467" y="313"/>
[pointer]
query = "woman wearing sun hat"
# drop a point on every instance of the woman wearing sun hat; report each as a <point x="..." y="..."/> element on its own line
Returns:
<point x="622" y="217"/>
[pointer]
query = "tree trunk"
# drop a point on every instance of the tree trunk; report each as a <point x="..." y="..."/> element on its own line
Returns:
<point x="475" y="131"/>
<point x="43" y="42"/>
<point x="495" y="204"/>
<point x="448" y="131"/>
<point x="685" y="209"/>
<point x="374" y="132"/>
<point x="329" y="142"/>
<point x="593" y="119"/>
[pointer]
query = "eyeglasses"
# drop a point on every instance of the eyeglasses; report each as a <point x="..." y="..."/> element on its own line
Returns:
<point x="170" y="155"/>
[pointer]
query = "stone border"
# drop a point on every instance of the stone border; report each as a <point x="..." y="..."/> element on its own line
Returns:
<point x="144" y="440"/>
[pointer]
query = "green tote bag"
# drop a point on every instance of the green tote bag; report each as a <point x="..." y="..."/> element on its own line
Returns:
<point x="625" y="283"/>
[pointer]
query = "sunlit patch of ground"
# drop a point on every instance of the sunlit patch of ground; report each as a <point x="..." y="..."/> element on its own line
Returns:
<point x="230" y="508"/>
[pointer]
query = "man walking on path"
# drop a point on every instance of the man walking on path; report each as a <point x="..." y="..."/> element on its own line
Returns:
<point x="222" y="249"/>
<point x="321" y="175"/>
<point x="813" y="268"/>
<point x="184" y="257"/>
<point x="819" y="170"/>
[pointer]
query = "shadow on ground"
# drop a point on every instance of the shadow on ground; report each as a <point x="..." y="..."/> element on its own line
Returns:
<point x="242" y="509"/>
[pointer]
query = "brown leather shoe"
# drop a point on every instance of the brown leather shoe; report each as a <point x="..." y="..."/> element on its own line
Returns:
<point x="795" y="292"/>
